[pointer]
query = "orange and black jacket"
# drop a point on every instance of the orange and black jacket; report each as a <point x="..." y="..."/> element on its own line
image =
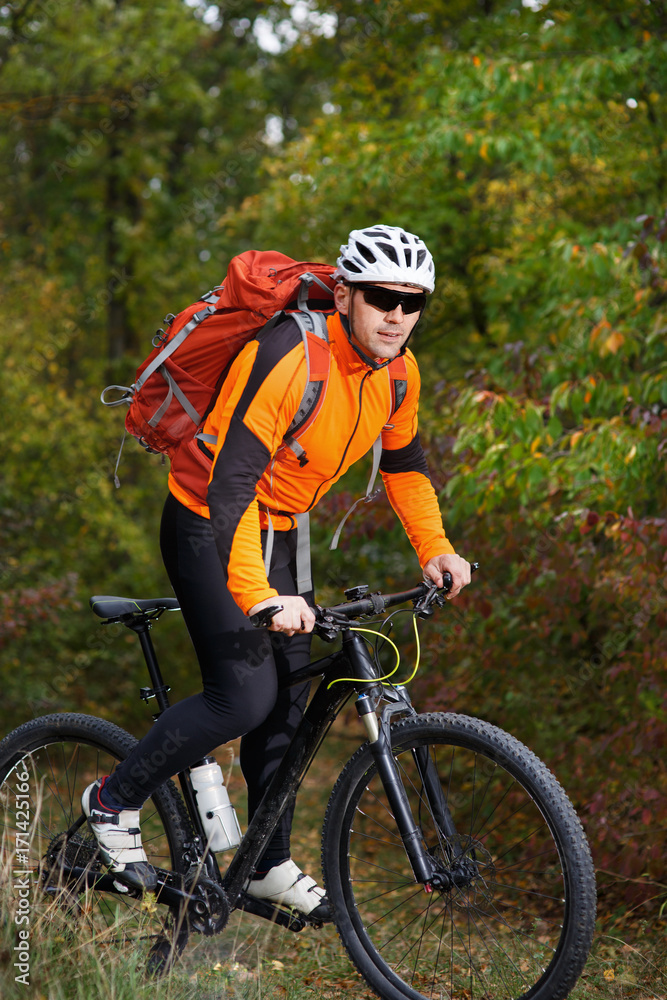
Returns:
<point x="253" y="468"/>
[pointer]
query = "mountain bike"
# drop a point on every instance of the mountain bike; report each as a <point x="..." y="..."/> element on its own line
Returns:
<point x="454" y="863"/>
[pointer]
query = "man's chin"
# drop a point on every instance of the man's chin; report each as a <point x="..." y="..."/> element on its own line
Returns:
<point x="387" y="353"/>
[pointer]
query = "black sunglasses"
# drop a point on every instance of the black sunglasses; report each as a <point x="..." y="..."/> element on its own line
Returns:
<point x="387" y="300"/>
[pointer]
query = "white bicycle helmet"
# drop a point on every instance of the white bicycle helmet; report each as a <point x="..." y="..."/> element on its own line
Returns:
<point x="388" y="254"/>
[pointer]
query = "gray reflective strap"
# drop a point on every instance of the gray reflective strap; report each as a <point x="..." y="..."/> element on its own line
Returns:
<point x="304" y="576"/>
<point x="308" y="401"/>
<point x="174" y="390"/>
<point x="377" y="455"/>
<point x="304" y="581"/>
<point x="304" y="322"/>
<point x="208" y="438"/>
<point x="128" y="393"/>
<point x="164" y="405"/>
<point x="336" y="537"/>
<point x="320" y="320"/>
<point x="307" y="279"/>
<point x="268" y="549"/>
<point x="182" y="398"/>
<point x="176" y="342"/>
<point x="296" y="448"/>
<point x="315" y="323"/>
<point x="116" y="480"/>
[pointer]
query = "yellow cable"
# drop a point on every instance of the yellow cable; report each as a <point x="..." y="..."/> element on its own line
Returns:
<point x="412" y="675"/>
<point x="378" y="680"/>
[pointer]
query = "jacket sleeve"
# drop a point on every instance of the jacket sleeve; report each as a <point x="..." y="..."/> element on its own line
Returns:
<point x="256" y="405"/>
<point x="406" y="477"/>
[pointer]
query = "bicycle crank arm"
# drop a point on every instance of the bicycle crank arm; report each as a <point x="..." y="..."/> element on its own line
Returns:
<point x="81" y="878"/>
<point x="277" y="915"/>
<point x="167" y="891"/>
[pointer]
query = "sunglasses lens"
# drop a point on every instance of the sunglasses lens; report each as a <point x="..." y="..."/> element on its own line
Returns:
<point x="387" y="300"/>
<point x="413" y="303"/>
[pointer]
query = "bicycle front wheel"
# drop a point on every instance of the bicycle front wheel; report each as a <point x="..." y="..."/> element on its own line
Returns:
<point x="45" y="765"/>
<point x="518" y="916"/>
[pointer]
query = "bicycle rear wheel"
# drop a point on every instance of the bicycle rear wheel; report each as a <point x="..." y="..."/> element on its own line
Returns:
<point x="44" y="767"/>
<point x="518" y="918"/>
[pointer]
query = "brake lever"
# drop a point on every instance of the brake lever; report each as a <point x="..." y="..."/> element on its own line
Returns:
<point x="435" y="594"/>
<point x="263" y="618"/>
<point x="328" y="626"/>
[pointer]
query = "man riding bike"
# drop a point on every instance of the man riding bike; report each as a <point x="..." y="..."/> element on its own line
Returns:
<point x="216" y="553"/>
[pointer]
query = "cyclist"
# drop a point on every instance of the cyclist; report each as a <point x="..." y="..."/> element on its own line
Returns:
<point x="214" y="555"/>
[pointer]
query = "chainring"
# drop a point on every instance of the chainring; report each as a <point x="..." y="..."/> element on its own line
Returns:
<point x="208" y="911"/>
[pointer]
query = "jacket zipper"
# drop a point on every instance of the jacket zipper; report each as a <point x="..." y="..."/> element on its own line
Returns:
<point x="347" y="446"/>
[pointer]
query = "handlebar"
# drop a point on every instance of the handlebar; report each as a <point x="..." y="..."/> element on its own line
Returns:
<point x="331" y="621"/>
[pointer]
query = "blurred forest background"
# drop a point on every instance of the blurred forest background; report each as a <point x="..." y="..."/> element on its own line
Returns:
<point x="142" y="145"/>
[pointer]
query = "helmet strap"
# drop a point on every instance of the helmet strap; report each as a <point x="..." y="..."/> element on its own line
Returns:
<point x="347" y="323"/>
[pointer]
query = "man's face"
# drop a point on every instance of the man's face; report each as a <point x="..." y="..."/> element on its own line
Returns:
<point x="379" y="334"/>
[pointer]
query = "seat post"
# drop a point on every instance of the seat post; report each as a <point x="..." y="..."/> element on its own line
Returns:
<point x="159" y="688"/>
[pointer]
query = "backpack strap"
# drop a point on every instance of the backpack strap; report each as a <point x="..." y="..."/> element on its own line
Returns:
<point x="174" y="343"/>
<point x="307" y="279"/>
<point x="304" y="575"/>
<point x="315" y="336"/>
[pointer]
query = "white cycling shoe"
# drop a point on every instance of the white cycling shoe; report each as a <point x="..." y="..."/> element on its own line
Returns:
<point x="119" y="837"/>
<point x="286" y="885"/>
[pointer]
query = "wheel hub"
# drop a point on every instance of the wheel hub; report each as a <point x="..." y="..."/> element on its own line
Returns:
<point x="465" y="870"/>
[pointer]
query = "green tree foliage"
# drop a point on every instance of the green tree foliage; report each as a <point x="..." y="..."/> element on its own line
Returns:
<point x="522" y="144"/>
<point x="145" y="145"/>
<point x="124" y="148"/>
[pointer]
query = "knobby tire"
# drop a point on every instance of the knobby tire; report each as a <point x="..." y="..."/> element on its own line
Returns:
<point x="62" y="754"/>
<point x="519" y="922"/>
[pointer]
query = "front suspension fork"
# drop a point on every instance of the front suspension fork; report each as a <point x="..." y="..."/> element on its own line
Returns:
<point x="380" y="746"/>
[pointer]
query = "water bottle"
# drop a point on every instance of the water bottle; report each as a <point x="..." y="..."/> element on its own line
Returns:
<point x="216" y="811"/>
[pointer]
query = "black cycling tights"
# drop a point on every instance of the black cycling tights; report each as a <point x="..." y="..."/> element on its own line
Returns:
<point x="240" y="669"/>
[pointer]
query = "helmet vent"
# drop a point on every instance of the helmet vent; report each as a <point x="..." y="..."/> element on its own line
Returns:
<point x="389" y="251"/>
<point x="351" y="266"/>
<point x="367" y="253"/>
<point x="421" y="256"/>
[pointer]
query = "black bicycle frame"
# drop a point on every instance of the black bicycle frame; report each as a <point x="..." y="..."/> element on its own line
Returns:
<point x="350" y="669"/>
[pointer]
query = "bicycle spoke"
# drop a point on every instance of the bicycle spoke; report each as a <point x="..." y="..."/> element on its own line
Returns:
<point x="60" y="769"/>
<point x="497" y="926"/>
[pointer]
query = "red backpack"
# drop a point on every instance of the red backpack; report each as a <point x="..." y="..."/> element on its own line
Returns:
<point x="179" y="381"/>
<point x="182" y="375"/>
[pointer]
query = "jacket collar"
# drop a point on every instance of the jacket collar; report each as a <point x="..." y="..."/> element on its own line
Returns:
<point x="352" y="357"/>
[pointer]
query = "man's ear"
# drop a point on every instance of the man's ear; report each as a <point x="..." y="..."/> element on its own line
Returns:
<point x="341" y="298"/>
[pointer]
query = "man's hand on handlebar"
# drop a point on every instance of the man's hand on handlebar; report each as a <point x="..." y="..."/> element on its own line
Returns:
<point x="294" y="617"/>
<point x="456" y="566"/>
